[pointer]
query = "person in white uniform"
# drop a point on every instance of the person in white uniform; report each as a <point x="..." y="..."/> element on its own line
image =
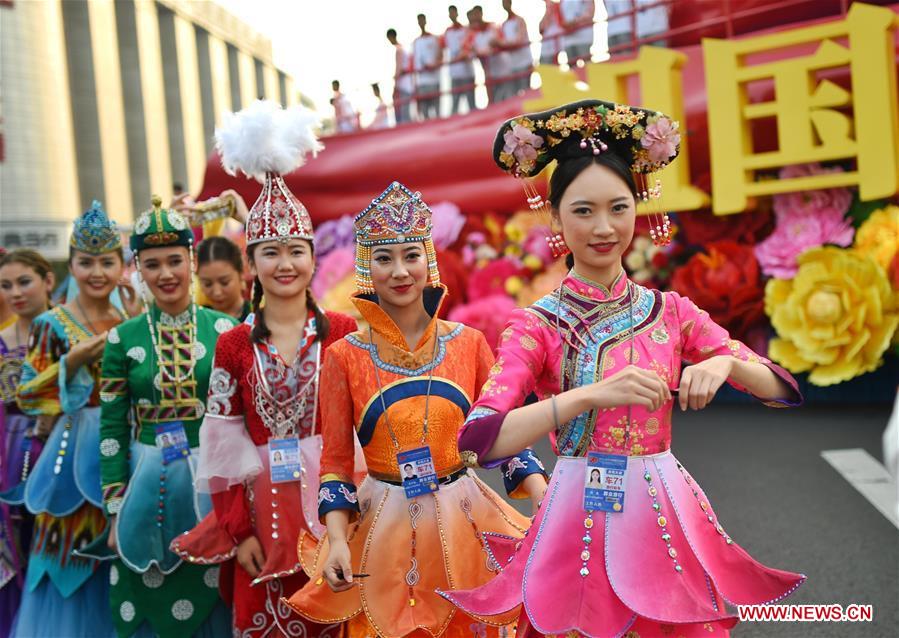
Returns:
<point x="485" y="37"/>
<point x="427" y="55"/>
<point x="457" y="44"/>
<point x="577" y="20"/>
<point x="381" y="118"/>
<point x="346" y="116"/>
<point x="620" y="27"/>
<point x="551" y="33"/>
<point x="403" y="81"/>
<point x="517" y="45"/>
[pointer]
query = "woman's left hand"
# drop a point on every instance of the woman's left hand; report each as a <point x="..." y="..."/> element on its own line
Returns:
<point x="700" y="382"/>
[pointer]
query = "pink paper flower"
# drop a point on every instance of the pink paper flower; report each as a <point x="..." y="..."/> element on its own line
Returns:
<point x="447" y="222"/>
<point x="488" y="314"/>
<point x="522" y="144"/>
<point x="796" y="233"/>
<point x="834" y="201"/>
<point x="805" y="220"/>
<point x="331" y="269"/>
<point x="535" y="243"/>
<point x="661" y="139"/>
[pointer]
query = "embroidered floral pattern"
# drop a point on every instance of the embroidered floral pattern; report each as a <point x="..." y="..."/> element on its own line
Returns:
<point x="221" y="388"/>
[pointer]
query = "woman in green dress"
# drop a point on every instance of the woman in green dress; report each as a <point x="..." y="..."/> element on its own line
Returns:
<point x="155" y="379"/>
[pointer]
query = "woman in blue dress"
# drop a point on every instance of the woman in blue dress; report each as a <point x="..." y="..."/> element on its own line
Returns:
<point x="60" y="380"/>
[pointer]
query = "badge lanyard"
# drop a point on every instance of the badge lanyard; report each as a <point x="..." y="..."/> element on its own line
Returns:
<point x="390" y="431"/>
<point x="421" y="477"/>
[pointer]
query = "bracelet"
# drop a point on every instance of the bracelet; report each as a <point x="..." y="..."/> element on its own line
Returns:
<point x="555" y="411"/>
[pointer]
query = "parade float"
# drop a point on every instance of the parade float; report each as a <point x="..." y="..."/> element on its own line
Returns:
<point x="784" y="204"/>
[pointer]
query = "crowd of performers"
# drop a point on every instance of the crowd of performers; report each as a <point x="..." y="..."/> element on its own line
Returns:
<point x="271" y="468"/>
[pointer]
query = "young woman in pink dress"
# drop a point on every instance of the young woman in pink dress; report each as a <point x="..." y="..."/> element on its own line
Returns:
<point x="645" y="555"/>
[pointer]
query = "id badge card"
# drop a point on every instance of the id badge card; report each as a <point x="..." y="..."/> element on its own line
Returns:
<point x="284" y="460"/>
<point x="417" y="471"/>
<point x="604" y="482"/>
<point x="172" y="440"/>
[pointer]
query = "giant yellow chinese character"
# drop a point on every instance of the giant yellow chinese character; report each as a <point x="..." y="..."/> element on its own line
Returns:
<point x="657" y="74"/>
<point x="811" y="122"/>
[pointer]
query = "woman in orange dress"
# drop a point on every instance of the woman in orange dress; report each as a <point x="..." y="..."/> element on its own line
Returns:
<point x="418" y="521"/>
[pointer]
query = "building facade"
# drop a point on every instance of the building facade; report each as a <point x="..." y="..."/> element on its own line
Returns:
<point x="115" y="100"/>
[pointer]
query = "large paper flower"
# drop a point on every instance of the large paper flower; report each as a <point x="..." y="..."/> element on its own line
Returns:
<point x="488" y="314"/>
<point x="661" y="139"/>
<point x="639" y="259"/>
<point x="447" y="222"/>
<point x="491" y="279"/>
<point x="878" y="237"/>
<point x="331" y="269"/>
<point x="535" y="244"/>
<point x="334" y="234"/>
<point x="833" y="201"/>
<point x="834" y="319"/>
<point x="725" y="282"/>
<point x="703" y="227"/>
<point x="804" y="220"/>
<point x="795" y="233"/>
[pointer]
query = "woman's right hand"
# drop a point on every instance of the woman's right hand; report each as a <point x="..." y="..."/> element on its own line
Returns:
<point x="631" y="386"/>
<point x="112" y="541"/>
<point x="337" y="570"/>
<point x="250" y="556"/>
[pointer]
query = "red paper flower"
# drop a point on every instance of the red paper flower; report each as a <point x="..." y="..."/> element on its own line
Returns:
<point x="455" y="276"/>
<point x="702" y="227"/>
<point x="725" y="282"/>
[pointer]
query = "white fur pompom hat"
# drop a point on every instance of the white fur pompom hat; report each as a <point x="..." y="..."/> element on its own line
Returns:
<point x="264" y="142"/>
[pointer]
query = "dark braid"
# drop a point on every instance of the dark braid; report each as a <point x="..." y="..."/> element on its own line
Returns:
<point x="260" y="331"/>
<point x="322" y="325"/>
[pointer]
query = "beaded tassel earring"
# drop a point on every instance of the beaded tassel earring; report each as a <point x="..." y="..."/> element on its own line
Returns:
<point x="433" y="271"/>
<point x="363" y="270"/>
<point x="557" y="245"/>
<point x="537" y="204"/>
<point x="660" y="224"/>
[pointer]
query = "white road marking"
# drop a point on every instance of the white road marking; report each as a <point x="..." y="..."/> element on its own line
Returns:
<point x="869" y="477"/>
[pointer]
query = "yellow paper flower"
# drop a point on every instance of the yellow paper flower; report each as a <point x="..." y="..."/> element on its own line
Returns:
<point x="514" y="284"/>
<point x="337" y="299"/>
<point x="878" y="236"/>
<point x="834" y="319"/>
<point x="533" y="262"/>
